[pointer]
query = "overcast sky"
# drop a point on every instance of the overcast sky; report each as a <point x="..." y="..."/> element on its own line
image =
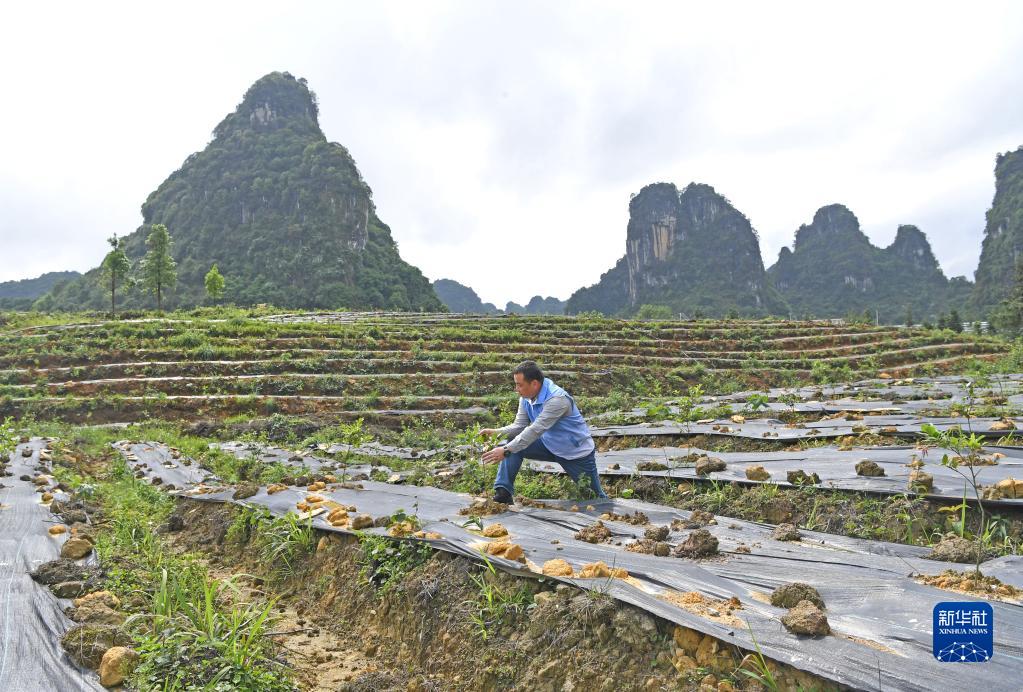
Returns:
<point x="503" y="140"/>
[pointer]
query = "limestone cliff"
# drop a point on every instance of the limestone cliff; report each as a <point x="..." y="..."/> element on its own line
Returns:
<point x="1003" y="234"/>
<point x="691" y="251"/>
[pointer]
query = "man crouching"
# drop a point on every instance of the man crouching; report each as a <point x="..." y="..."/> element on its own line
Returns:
<point x="547" y="427"/>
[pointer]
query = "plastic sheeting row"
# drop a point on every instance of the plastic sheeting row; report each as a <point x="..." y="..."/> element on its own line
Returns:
<point x="33" y="620"/>
<point x="769" y="428"/>
<point x="835" y="467"/>
<point x="880" y="617"/>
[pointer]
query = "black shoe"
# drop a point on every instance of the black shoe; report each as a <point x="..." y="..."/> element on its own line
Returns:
<point x="503" y="496"/>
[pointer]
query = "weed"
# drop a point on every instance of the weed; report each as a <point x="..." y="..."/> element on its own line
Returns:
<point x="284" y="541"/>
<point x="386" y="562"/>
<point x="494" y="605"/>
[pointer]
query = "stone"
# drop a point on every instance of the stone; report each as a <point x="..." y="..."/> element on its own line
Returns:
<point x="1003" y="424"/>
<point x="806" y="618"/>
<point x="116" y="665"/>
<point x="705" y="465"/>
<point x="75" y="548"/>
<point x="557" y="568"/>
<point x="595" y="570"/>
<point x="705" y="652"/>
<point x="57" y="530"/>
<point x="698" y="543"/>
<point x="361" y="521"/>
<point x="786" y="532"/>
<point x="509" y="551"/>
<point x="544" y="598"/>
<point x="657" y="533"/>
<point x="57" y="571"/>
<point x="687" y="639"/>
<point x="245" y="490"/>
<point x="594" y="533"/>
<point x="74" y="516"/>
<point x="495" y="531"/>
<point x="105" y="597"/>
<point x="799" y="477"/>
<point x="954" y="549"/>
<point x="86" y="644"/>
<point x="757" y="473"/>
<point x="869" y="468"/>
<point x="1010" y="487"/>
<point x="789" y="595"/>
<point x="920" y="481"/>
<point x="779" y="511"/>
<point x="68" y="589"/>
<point x="96" y="613"/>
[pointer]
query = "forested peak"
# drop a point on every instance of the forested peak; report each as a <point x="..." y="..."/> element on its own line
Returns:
<point x="831" y="222"/>
<point x="655" y="195"/>
<point x="273" y="101"/>
<point x="911" y="245"/>
<point x="1009" y="163"/>
<point x="703" y="204"/>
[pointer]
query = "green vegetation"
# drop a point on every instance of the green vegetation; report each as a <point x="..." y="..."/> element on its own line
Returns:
<point x="1003" y="235"/>
<point x="158" y="267"/>
<point x="190" y="632"/>
<point x="21" y="294"/>
<point x="115" y="269"/>
<point x="282" y="211"/>
<point x="495" y="605"/>
<point x="964" y="460"/>
<point x="386" y="562"/>
<point x="833" y="270"/>
<point x="214" y="283"/>
<point x="701" y="255"/>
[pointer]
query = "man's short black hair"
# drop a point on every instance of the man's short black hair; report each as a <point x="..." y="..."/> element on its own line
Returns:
<point x="529" y="370"/>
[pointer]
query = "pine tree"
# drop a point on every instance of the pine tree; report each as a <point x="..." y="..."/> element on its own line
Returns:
<point x="158" y="267"/>
<point x="214" y="283"/>
<point x="955" y="323"/>
<point x="114" y="270"/>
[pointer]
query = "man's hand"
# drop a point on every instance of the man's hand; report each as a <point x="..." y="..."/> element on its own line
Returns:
<point x="494" y="455"/>
<point x="488" y="432"/>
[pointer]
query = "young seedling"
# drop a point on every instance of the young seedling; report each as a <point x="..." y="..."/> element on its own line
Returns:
<point x="966" y="449"/>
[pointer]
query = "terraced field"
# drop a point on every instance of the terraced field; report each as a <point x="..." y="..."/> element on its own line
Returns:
<point x="385" y="367"/>
<point x="322" y="474"/>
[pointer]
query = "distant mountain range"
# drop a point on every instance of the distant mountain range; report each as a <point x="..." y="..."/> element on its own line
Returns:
<point x="19" y="295"/>
<point x="459" y="298"/>
<point x="289" y="220"/>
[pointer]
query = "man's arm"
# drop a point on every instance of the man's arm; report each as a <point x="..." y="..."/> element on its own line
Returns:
<point x="553" y="409"/>
<point x="521" y="423"/>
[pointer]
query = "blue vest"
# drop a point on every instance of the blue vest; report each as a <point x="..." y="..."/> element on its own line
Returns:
<point x="569" y="438"/>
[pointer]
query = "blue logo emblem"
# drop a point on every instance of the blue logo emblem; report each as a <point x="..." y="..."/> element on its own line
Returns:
<point x="963" y="632"/>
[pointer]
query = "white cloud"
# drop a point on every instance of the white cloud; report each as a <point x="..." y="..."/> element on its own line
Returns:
<point x="487" y="130"/>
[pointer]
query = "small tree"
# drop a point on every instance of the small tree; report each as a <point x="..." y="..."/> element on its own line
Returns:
<point x="955" y="322"/>
<point x="909" y="316"/>
<point x="214" y="282"/>
<point x="114" y="269"/>
<point x="158" y="267"/>
<point x="965" y="461"/>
